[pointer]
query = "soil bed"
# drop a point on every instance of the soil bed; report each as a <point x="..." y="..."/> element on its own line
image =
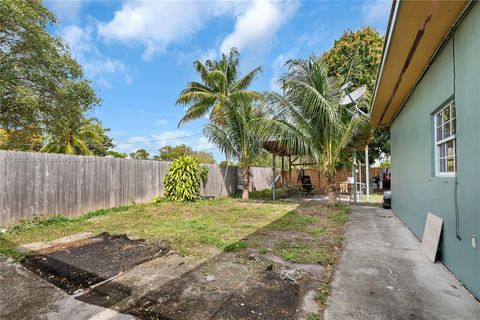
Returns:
<point x="103" y="257"/>
<point x="238" y="289"/>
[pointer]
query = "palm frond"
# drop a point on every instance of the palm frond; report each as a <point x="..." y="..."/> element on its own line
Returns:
<point x="246" y="81"/>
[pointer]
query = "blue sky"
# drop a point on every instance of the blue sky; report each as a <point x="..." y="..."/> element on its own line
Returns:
<point x="140" y="55"/>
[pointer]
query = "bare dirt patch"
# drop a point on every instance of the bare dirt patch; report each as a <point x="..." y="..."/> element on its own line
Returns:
<point x="93" y="261"/>
<point x="227" y="287"/>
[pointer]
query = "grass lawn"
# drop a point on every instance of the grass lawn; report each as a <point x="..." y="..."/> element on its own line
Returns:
<point x="203" y="228"/>
<point x="190" y="228"/>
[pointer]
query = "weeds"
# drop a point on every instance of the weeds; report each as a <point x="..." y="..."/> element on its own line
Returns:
<point x="322" y="295"/>
<point x="39" y="222"/>
<point x="314" y="316"/>
<point x="236" y="246"/>
<point x="298" y="252"/>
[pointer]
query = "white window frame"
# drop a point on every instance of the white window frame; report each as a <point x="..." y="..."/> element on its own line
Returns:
<point x="438" y="144"/>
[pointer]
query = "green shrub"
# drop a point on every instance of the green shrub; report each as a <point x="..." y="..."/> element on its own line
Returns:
<point x="157" y="199"/>
<point x="184" y="179"/>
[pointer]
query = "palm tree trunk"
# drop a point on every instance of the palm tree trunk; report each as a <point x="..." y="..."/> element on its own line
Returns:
<point x="331" y="189"/>
<point x="245" y="182"/>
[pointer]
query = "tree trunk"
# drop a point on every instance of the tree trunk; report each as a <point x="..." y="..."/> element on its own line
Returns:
<point x="331" y="190"/>
<point x="245" y="182"/>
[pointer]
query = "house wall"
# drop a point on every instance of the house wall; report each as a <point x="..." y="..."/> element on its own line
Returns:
<point x="415" y="188"/>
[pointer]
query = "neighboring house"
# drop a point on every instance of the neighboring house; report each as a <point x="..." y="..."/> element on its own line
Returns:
<point x="428" y="94"/>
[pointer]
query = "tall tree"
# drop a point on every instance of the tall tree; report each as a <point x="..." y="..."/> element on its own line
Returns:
<point x="39" y="79"/>
<point x="26" y="139"/>
<point x="366" y="45"/>
<point x="140" y="154"/>
<point x="219" y="86"/>
<point x="74" y="136"/>
<point x="101" y="149"/>
<point x="239" y="136"/>
<point x="169" y="153"/>
<point x="115" y="154"/>
<point x="308" y="119"/>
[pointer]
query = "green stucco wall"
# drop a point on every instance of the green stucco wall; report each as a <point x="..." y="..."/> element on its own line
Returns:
<point x="415" y="188"/>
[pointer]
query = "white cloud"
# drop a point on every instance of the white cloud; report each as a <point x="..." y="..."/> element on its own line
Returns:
<point x="95" y="64"/>
<point x="202" y="144"/>
<point x="173" y="138"/>
<point x="133" y="144"/>
<point x="161" y="122"/>
<point x="376" y="11"/>
<point x="152" y="143"/>
<point x="157" y="24"/>
<point x="256" y="27"/>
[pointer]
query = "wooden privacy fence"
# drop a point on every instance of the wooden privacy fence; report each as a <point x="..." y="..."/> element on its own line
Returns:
<point x="319" y="180"/>
<point x="47" y="184"/>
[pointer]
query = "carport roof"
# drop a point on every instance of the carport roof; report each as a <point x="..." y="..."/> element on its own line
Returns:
<point x="416" y="31"/>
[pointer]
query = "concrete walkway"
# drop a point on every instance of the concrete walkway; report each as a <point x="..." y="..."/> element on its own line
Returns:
<point x="383" y="275"/>
<point x="23" y="295"/>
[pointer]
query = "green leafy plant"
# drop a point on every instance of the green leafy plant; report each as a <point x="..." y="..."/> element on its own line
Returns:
<point x="158" y="199"/>
<point x="183" y="181"/>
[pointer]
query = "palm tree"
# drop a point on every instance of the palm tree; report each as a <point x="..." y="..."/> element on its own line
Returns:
<point x="308" y="119"/>
<point x="239" y="136"/>
<point x="219" y="86"/>
<point x="73" y="137"/>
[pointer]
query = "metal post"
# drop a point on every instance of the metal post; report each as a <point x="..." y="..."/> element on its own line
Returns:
<point x="273" y="175"/>
<point x="283" y="172"/>
<point x="360" y="190"/>
<point x="367" y="173"/>
<point x="355" y="177"/>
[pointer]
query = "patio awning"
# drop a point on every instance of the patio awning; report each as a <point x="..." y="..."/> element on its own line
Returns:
<point x="416" y="31"/>
<point x="277" y="148"/>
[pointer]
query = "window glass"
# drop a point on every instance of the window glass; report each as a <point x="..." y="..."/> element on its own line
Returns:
<point x="451" y="164"/>
<point x="439" y="133"/>
<point x="442" y="165"/>
<point x="446" y="114"/>
<point x="445" y="129"/>
<point x="439" y="119"/>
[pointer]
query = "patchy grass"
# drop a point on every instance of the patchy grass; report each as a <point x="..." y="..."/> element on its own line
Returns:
<point x="314" y="316"/>
<point x="293" y="220"/>
<point x="188" y="227"/>
<point x="280" y="193"/>
<point x="304" y="252"/>
<point x="8" y="249"/>
<point x="374" y="199"/>
<point x="322" y="295"/>
<point x="312" y="233"/>
<point x="236" y="246"/>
